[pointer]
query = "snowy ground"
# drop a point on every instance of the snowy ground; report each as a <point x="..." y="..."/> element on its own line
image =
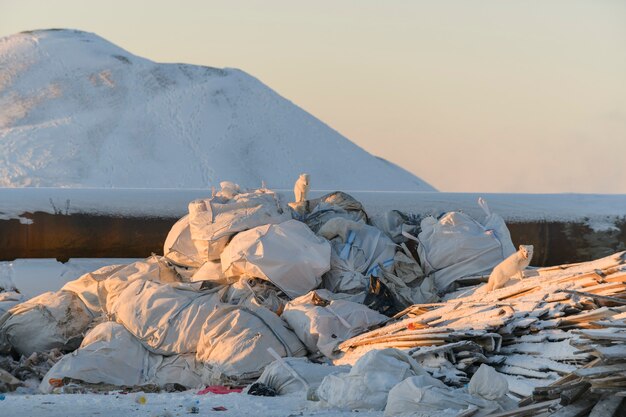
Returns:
<point x="36" y="276"/>
<point x="163" y="405"/>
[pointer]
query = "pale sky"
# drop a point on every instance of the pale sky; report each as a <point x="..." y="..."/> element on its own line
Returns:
<point x="481" y="96"/>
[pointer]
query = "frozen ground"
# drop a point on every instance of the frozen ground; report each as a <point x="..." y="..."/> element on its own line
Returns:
<point x="163" y="405"/>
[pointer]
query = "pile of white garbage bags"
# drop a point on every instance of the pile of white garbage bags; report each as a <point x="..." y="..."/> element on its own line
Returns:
<point x="389" y="380"/>
<point x="244" y="275"/>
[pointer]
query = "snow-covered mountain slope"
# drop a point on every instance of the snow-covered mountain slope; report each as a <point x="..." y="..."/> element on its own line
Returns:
<point x="78" y="111"/>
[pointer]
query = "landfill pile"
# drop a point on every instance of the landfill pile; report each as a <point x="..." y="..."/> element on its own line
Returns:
<point x="315" y="297"/>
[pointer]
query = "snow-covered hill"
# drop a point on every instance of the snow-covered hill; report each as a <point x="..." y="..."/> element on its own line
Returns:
<point x="78" y="111"/>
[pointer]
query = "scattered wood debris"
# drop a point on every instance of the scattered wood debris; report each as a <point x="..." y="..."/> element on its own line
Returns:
<point x="558" y="336"/>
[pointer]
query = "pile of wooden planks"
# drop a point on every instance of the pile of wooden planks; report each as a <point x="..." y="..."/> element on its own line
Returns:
<point x="558" y="336"/>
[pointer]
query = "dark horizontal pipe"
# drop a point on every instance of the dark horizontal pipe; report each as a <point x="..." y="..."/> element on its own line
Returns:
<point x="78" y="235"/>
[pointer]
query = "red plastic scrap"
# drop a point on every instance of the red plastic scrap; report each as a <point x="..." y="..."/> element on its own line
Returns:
<point x="218" y="389"/>
<point x="220" y="408"/>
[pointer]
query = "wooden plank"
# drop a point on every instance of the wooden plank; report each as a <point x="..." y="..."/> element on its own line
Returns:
<point x="606" y="407"/>
<point x="528" y="410"/>
<point x="572" y="395"/>
<point x="597" y="371"/>
<point x="601" y="335"/>
<point x="578" y="409"/>
<point x="598" y="297"/>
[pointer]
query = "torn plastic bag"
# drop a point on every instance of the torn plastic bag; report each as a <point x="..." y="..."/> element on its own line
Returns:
<point x="216" y="220"/>
<point x="234" y="343"/>
<point x="321" y="324"/>
<point x="283" y="381"/>
<point x="380" y="298"/>
<point x="110" y="354"/>
<point x="336" y="204"/>
<point x="457" y="246"/>
<point x="357" y="252"/>
<point x="395" y="224"/>
<point x="426" y="395"/>
<point x="289" y="255"/>
<point x="48" y="321"/>
<point x="367" y="384"/>
<point x="166" y="318"/>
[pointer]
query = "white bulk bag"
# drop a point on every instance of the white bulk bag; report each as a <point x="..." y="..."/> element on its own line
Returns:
<point x="288" y="254"/>
<point x="166" y="318"/>
<point x="282" y="380"/>
<point x="86" y="287"/>
<point x="180" y="248"/>
<point x="367" y="384"/>
<point x="235" y="340"/>
<point x="216" y="220"/>
<point x="426" y="395"/>
<point x="110" y="354"/>
<point x="457" y="246"/>
<point x="50" y="320"/>
<point x="322" y="324"/>
<point x="357" y="251"/>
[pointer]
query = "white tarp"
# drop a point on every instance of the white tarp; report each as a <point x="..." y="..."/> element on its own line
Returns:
<point x="234" y="342"/>
<point x="321" y="324"/>
<point x="357" y="252"/>
<point x="283" y="381"/>
<point x="288" y="254"/>
<point x="367" y="384"/>
<point x="110" y="354"/>
<point x="50" y="320"/>
<point x="457" y="246"/>
<point x="215" y="220"/>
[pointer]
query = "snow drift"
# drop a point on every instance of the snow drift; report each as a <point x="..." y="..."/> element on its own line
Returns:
<point x="78" y="111"/>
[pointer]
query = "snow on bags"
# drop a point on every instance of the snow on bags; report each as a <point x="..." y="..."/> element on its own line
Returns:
<point x="288" y="254"/>
<point x="50" y="320"/>
<point x="216" y="220"/>
<point x="322" y="324"/>
<point x="110" y="354"/>
<point x="166" y="318"/>
<point x="367" y="384"/>
<point x="357" y="251"/>
<point x="234" y="341"/>
<point x="457" y="246"/>
<point x="283" y="382"/>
